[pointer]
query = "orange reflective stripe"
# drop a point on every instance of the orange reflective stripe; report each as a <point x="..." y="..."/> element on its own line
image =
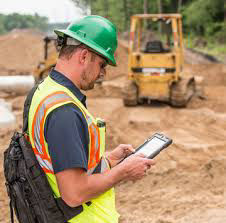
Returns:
<point x="35" y="151"/>
<point x="98" y="143"/>
<point x="95" y="146"/>
<point x="47" y="170"/>
<point x="45" y="155"/>
<point x="94" y="150"/>
<point x="41" y="154"/>
<point x="38" y="138"/>
<point x="92" y="161"/>
<point x="37" y="110"/>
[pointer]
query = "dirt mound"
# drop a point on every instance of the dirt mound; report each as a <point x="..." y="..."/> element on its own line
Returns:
<point x="188" y="182"/>
<point x="213" y="74"/>
<point x="121" y="56"/>
<point x="21" y="50"/>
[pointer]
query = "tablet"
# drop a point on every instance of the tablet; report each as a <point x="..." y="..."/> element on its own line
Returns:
<point x="154" y="145"/>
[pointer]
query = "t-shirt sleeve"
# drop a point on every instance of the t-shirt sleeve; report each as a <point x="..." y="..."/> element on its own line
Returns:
<point x="66" y="134"/>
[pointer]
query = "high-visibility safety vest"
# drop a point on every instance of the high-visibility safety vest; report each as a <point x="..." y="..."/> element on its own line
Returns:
<point x="49" y="96"/>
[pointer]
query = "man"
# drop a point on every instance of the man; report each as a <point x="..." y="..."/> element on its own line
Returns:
<point x="68" y="141"/>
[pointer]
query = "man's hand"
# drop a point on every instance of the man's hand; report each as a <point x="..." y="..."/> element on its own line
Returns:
<point x="77" y="187"/>
<point x="135" y="167"/>
<point x="119" y="153"/>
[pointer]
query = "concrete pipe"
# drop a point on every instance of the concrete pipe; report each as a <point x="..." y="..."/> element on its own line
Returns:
<point x="7" y="118"/>
<point x="16" y="84"/>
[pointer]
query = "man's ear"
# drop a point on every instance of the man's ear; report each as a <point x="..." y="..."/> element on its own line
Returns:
<point x="83" y="56"/>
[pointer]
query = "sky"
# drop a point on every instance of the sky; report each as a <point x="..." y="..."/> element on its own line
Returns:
<point x="55" y="10"/>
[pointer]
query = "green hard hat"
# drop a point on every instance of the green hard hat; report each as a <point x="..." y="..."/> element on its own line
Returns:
<point x="96" y="32"/>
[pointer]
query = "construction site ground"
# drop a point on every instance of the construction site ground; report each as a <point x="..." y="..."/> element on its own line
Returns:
<point x="188" y="182"/>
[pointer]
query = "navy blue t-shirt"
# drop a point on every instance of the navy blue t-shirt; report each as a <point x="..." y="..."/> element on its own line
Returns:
<point x="66" y="131"/>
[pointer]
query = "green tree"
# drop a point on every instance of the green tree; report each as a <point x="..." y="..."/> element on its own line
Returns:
<point x="200" y="17"/>
<point x="203" y="16"/>
<point x="2" y="22"/>
<point x="18" y="21"/>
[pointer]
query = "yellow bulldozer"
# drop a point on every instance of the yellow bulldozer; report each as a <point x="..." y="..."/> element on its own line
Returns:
<point x="156" y="61"/>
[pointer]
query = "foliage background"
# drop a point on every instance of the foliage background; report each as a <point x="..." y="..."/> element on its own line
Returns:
<point x="18" y="21"/>
<point x="204" y="21"/>
<point x="201" y="17"/>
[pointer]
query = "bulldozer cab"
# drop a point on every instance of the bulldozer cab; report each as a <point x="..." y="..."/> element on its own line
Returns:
<point x="48" y="41"/>
<point x="155" y="57"/>
<point x="156" y="45"/>
<point x="50" y="56"/>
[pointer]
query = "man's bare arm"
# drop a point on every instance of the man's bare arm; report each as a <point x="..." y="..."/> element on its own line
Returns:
<point x="76" y="187"/>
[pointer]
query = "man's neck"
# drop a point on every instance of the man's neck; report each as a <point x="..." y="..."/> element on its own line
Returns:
<point x="71" y="75"/>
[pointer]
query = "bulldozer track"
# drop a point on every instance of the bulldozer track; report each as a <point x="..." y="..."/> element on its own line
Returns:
<point x="130" y="94"/>
<point x="182" y="92"/>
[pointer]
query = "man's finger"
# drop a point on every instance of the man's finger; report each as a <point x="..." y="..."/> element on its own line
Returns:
<point x="150" y="162"/>
<point x="141" y="155"/>
<point x="128" y="148"/>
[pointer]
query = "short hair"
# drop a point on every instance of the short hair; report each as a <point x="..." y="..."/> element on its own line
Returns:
<point x="67" y="51"/>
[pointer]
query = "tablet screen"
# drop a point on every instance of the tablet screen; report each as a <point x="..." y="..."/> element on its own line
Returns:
<point x="150" y="147"/>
